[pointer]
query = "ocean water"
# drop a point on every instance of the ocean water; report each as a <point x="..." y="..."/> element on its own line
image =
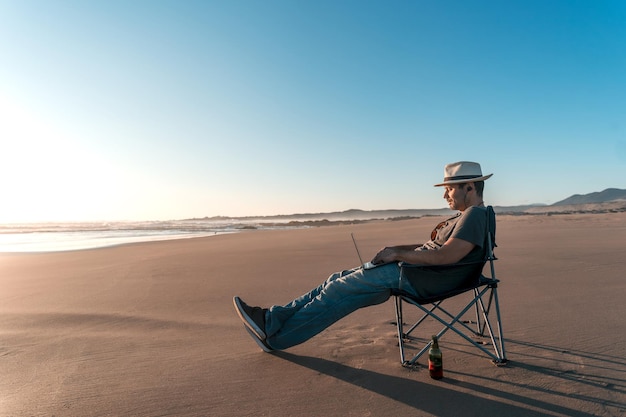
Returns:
<point x="53" y="237"/>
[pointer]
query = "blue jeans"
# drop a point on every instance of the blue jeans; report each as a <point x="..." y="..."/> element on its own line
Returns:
<point x="341" y="294"/>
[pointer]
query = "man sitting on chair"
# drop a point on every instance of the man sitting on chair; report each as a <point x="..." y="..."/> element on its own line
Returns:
<point x="458" y="239"/>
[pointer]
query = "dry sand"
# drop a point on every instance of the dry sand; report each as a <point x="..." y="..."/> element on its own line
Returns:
<point x="149" y="329"/>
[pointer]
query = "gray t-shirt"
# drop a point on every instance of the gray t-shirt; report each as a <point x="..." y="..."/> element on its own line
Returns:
<point x="469" y="225"/>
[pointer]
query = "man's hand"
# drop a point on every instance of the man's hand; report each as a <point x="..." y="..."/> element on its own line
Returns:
<point x="386" y="255"/>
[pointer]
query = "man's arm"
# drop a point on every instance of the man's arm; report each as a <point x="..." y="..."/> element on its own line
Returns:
<point x="406" y="247"/>
<point x="451" y="252"/>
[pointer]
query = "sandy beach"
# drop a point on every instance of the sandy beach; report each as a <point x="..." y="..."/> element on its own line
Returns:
<point x="149" y="329"/>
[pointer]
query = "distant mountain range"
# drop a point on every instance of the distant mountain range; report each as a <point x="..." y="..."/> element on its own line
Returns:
<point x="610" y="194"/>
<point x="609" y="200"/>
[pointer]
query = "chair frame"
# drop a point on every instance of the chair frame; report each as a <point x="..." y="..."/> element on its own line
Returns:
<point x="485" y="302"/>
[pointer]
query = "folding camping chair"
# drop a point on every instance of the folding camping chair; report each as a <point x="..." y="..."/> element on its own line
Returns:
<point x="441" y="282"/>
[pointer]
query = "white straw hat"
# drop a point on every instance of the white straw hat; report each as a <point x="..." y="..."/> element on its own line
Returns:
<point x="462" y="172"/>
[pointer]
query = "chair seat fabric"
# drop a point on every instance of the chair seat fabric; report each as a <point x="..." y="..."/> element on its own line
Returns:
<point x="438" y="282"/>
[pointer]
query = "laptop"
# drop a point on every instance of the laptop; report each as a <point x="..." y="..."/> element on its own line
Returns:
<point x="365" y="265"/>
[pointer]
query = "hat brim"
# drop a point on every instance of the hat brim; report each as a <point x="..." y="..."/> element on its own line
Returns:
<point x="464" y="181"/>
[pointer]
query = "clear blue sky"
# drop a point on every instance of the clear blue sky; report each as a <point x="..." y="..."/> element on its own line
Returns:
<point x="156" y="110"/>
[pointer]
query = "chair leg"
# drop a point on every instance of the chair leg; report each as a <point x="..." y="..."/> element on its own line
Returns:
<point x="483" y="311"/>
<point x="499" y="356"/>
<point x="502" y="355"/>
<point x="434" y="307"/>
<point x="400" y="327"/>
<point x="479" y="325"/>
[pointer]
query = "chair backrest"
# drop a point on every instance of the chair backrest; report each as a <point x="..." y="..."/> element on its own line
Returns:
<point x="490" y="235"/>
<point x="490" y="245"/>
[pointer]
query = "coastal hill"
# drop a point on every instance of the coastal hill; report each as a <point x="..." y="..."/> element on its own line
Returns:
<point x="607" y="201"/>
<point x="610" y="194"/>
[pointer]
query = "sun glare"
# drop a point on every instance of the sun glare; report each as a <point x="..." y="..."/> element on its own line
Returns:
<point x="46" y="175"/>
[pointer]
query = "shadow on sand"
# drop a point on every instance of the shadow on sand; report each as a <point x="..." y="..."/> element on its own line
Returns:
<point x="441" y="399"/>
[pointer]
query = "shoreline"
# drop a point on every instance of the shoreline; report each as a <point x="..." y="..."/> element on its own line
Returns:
<point x="291" y="225"/>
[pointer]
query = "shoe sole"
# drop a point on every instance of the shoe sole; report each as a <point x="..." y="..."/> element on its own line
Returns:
<point x="247" y="320"/>
<point x="258" y="341"/>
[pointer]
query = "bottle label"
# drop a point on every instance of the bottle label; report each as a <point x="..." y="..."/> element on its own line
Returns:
<point x="435" y="363"/>
<point x="435" y="368"/>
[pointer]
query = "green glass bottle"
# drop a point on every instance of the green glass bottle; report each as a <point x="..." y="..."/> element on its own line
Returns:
<point x="435" y="360"/>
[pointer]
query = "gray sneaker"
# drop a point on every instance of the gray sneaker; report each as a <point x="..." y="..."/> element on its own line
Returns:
<point x="262" y="343"/>
<point x="253" y="318"/>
